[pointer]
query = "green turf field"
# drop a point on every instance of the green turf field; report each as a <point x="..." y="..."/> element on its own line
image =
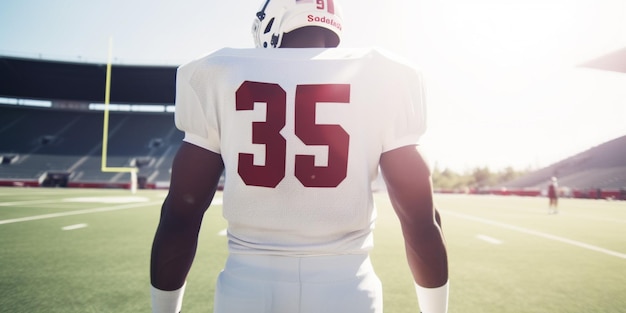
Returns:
<point x="87" y="250"/>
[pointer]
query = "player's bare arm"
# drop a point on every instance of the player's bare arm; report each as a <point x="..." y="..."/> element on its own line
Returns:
<point x="410" y="190"/>
<point x="195" y="176"/>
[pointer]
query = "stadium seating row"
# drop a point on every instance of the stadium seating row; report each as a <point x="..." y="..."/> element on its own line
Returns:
<point x="37" y="141"/>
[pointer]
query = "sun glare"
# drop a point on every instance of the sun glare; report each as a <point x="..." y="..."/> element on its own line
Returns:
<point x="501" y="74"/>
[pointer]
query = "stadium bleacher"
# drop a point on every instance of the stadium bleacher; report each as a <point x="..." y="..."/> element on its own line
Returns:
<point x="41" y="141"/>
<point x="599" y="172"/>
<point x="61" y="142"/>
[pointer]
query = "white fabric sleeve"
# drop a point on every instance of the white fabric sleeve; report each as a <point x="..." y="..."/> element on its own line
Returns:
<point x="433" y="300"/>
<point x="192" y="116"/>
<point x="167" y="301"/>
<point x="409" y="122"/>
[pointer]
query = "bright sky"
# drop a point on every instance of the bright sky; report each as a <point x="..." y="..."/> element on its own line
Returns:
<point x="503" y="86"/>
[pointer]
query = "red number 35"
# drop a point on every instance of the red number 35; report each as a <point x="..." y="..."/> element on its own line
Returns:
<point x="310" y="133"/>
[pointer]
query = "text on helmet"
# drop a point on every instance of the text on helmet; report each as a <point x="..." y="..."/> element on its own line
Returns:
<point x="324" y="19"/>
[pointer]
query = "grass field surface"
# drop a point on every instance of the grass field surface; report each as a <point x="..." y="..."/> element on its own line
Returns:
<point x="88" y="250"/>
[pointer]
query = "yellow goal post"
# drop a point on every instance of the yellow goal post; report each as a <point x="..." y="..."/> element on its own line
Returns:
<point x="105" y="129"/>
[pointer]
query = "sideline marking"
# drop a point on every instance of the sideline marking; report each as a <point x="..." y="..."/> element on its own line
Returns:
<point x="104" y="199"/>
<point x="73" y="227"/>
<point x="28" y="202"/>
<point x="77" y="212"/>
<point x="488" y="239"/>
<point x="539" y="234"/>
<point x="107" y="199"/>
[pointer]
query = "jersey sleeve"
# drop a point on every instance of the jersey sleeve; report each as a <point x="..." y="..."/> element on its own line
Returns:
<point x="192" y="116"/>
<point x="407" y="123"/>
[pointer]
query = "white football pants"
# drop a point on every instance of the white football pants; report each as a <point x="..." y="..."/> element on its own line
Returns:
<point x="281" y="284"/>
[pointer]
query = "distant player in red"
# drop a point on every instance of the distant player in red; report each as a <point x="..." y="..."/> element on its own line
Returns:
<point x="553" y="196"/>
<point x="300" y="134"/>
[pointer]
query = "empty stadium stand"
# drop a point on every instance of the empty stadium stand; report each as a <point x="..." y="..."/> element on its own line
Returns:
<point x="61" y="144"/>
<point x="599" y="172"/>
<point x="38" y="142"/>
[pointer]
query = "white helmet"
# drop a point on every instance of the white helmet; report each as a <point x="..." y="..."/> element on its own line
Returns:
<point x="277" y="17"/>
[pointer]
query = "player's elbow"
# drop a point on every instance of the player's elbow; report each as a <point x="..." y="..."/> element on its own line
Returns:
<point x="182" y="215"/>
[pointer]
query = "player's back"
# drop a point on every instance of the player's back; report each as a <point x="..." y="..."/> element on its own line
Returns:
<point x="301" y="132"/>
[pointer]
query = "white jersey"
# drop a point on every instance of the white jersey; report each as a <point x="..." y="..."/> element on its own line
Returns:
<point x="301" y="132"/>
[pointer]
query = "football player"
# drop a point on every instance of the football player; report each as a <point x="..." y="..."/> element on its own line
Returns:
<point x="553" y="196"/>
<point x="300" y="133"/>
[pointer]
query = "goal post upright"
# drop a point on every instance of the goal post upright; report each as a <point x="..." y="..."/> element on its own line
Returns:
<point x="105" y="129"/>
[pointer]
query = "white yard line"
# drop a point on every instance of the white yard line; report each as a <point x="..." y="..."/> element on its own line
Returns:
<point x="29" y="202"/>
<point x="74" y="227"/>
<point x="538" y="234"/>
<point x="488" y="239"/>
<point x="78" y="212"/>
